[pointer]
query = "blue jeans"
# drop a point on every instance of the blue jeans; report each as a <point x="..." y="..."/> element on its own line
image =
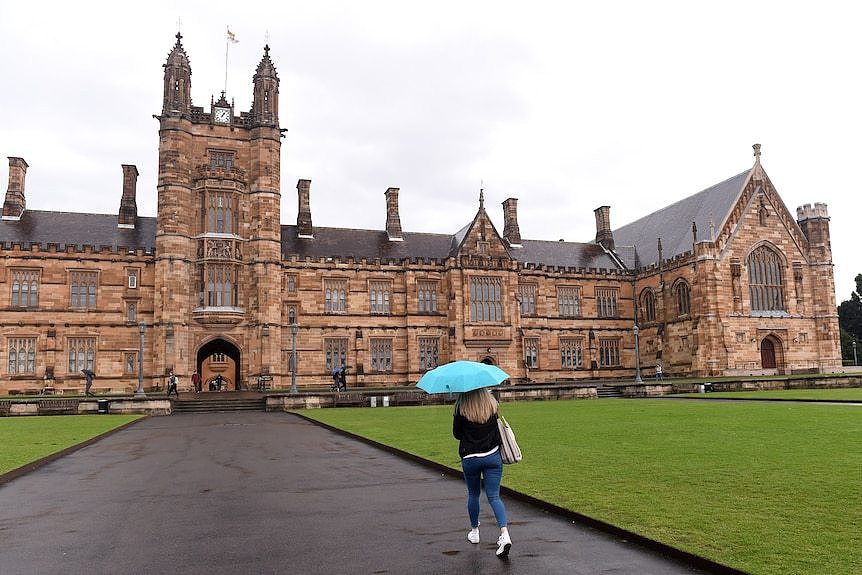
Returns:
<point x="489" y="468"/>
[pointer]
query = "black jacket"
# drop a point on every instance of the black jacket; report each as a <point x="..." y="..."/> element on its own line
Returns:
<point x="475" y="437"/>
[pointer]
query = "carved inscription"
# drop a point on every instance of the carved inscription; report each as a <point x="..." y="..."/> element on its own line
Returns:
<point x="487" y="333"/>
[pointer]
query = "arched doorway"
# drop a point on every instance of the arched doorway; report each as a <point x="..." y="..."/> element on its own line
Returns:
<point x="218" y="362"/>
<point x="771" y="356"/>
<point x="488" y="360"/>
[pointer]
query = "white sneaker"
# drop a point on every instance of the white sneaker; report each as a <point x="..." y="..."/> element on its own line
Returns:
<point x="473" y="536"/>
<point x="504" y="543"/>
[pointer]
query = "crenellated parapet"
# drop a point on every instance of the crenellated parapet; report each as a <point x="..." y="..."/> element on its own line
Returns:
<point x="809" y="212"/>
<point x="37" y="250"/>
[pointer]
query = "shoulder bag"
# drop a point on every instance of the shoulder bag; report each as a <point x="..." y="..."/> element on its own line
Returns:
<point x="509" y="450"/>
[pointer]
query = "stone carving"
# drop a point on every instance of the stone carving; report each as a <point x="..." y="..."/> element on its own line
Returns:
<point x="735" y="273"/>
<point x="219" y="249"/>
<point x="797" y="284"/>
<point x="222" y="249"/>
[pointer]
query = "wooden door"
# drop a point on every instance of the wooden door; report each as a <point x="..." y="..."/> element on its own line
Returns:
<point x="767" y="354"/>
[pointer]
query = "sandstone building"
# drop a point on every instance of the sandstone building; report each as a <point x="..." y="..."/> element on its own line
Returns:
<point x="725" y="281"/>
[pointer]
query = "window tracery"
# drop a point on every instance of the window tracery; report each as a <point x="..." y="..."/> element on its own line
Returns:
<point x="765" y="280"/>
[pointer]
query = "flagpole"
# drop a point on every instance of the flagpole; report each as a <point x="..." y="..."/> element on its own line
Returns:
<point x="226" y="47"/>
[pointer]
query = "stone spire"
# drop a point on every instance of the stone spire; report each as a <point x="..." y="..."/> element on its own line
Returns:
<point x="264" y="109"/>
<point x="177" y="98"/>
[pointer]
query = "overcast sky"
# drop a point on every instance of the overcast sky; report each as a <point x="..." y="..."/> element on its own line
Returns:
<point x="565" y="106"/>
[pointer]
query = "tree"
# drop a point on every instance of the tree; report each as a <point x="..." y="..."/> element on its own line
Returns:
<point x="850" y="321"/>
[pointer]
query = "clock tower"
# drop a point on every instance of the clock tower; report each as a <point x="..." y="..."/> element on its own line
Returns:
<point x="218" y="256"/>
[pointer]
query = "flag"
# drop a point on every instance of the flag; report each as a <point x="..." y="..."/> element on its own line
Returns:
<point x="231" y="36"/>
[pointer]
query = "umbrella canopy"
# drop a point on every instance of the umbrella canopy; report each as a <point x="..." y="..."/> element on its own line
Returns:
<point x="461" y="376"/>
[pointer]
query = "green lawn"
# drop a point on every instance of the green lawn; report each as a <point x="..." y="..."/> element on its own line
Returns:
<point x="837" y="394"/>
<point x="766" y="488"/>
<point x="26" y="439"/>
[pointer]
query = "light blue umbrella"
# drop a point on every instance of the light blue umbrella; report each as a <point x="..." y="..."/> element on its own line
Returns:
<point x="461" y="376"/>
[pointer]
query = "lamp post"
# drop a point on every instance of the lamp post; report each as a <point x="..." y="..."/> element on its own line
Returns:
<point x="637" y="356"/>
<point x="140" y="392"/>
<point x="854" y="353"/>
<point x="293" y="330"/>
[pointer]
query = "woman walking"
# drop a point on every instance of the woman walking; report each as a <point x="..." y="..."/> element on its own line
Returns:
<point x="475" y="426"/>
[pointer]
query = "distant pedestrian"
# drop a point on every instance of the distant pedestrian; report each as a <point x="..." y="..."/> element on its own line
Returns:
<point x="339" y="378"/>
<point x="88" y="378"/>
<point x="475" y="426"/>
<point x="219" y="383"/>
<point x="172" y="385"/>
<point x="659" y="376"/>
<point x="196" y="381"/>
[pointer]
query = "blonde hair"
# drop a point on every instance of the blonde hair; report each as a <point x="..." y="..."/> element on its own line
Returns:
<point x="477" y="406"/>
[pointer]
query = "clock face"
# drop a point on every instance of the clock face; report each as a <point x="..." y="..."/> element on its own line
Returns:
<point x="222" y="115"/>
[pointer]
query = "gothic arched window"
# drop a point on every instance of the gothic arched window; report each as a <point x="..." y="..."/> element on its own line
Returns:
<point x="648" y="305"/>
<point x="683" y="298"/>
<point x="765" y="283"/>
<point x="220" y="284"/>
<point x="221" y="209"/>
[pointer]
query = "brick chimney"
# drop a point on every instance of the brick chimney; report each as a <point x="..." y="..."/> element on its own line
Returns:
<point x="303" y="216"/>
<point x="393" y="220"/>
<point x="14" y="205"/>
<point x="128" y="215"/>
<point x="604" y="235"/>
<point x="510" y="223"/>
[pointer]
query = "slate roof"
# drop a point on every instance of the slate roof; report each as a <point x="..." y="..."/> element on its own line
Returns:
<point x="635" y="242"/>
<point x="67" y="228"/>
<point x="563" y="254"/>
<point x="673" y="224"/>
<point x="373" y="244"/>
<point x="368" y="244"/>
<point x="100" y="230"/>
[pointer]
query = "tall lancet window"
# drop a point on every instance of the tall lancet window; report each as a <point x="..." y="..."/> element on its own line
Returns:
<point x="765" y="282"/>
<point x="221" y="208"/>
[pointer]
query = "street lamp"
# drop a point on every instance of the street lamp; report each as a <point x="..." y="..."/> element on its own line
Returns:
<point x="637" y="356"/>
<point x="293" y="330"/>
<point x="140" y="392"/>
<point x="854" y="353"/>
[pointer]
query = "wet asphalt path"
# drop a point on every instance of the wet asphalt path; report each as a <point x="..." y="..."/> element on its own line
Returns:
<point x="272" y="493"/>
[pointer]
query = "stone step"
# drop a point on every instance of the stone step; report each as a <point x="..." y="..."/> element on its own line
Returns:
<point x="212" y="405"/>
<point x="609" y="392"/>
